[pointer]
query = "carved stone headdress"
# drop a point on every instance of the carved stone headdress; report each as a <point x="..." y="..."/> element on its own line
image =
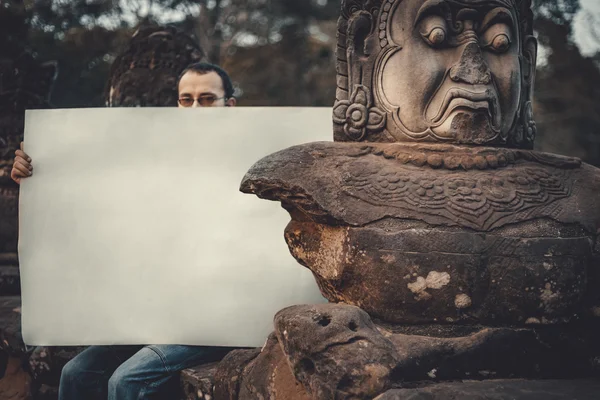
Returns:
<point x="362" y="40"/>
<point x="146" y="73"/>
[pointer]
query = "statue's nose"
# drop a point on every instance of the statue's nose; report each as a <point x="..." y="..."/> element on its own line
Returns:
<point x="471" y="68"/>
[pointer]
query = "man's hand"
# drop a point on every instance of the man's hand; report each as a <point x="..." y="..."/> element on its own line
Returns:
<point x="22" y="166"/>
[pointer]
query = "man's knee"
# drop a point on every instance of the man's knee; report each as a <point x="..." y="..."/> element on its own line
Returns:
<point x="143" y="372"/>
<point x="119" y="379"/>
<point x="71" y="372"/>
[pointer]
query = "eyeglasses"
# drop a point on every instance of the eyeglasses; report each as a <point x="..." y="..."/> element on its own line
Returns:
<point x="203" y="101"/>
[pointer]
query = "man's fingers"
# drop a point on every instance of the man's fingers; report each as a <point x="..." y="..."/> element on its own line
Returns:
<point x="22" y="170"/>
<point x="24" y="162"/>
<point x="15" y="177"/>
<point x="23" y="155"/>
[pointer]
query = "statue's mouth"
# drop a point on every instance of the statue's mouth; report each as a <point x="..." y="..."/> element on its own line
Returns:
<point x="459" y="99"/>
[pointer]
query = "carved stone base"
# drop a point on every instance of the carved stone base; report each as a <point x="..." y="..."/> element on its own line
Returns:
<point x="16" y="382"/>
<point x="197" y="383"/>
<point x="30" y="373"/>
<point x="436" y="234"/>
<point x="501" y="390"/>
<point x="336" y="351"/>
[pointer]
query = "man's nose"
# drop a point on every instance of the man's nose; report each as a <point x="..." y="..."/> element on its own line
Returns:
<point x="471" y="68"/>
<point x="196" y="104"/>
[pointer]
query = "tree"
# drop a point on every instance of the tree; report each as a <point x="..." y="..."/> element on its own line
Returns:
<point x="567" y="90"/>
<point x="280" y="52"/>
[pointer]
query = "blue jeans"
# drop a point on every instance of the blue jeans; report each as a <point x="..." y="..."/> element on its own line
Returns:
<point x="131" y="372"/>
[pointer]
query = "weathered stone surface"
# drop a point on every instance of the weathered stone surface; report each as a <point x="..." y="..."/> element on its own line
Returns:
<point x="258" y="374"/>
<point x="269" y="376"/>
<point x="476" y="261"/>
<point x="46" y="363"/>
<point x="412" y="244"/>
<point x="543" y="352"/>
<point x="335" y="351"/>
<point x="449" y="72"/>
<point x="501" y="390"/>
<point x="420" y="223"/>
<point x="39" y="368"/>
<point x="231" y="370"/>
<point x="16" y="382"/>
<point x="3" y="363"/>
<point x="197" y="383"/>
<point x="47" y="393"/>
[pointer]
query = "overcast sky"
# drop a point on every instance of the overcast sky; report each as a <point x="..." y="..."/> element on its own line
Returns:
<point x="586" y="41"/>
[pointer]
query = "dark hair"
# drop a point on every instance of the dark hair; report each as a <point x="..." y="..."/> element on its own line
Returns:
<point x="204" y="68"/>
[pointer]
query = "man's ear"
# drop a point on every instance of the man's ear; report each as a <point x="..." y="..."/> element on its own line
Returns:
<point x="530" y="58"/>
<point x="231" y="102"/>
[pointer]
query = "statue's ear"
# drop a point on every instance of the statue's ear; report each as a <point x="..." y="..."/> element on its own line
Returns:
<point x="530" y="46"/>
<point x="527" y="134"/>
<point x="360" y="26"/>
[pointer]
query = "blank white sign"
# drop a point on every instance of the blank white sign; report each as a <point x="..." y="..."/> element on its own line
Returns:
<point x="133" y="229"/>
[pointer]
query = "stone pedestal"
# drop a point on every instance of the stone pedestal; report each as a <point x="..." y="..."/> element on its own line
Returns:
<point x="500" y="390"/>
<point x="453" y="251"/>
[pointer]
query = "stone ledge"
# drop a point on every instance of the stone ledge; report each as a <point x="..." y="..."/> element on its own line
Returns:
<point x="10" y="281"/>
<point x="197" y="383"/>
<point x="46" y="363"/>
<point x="9" y="259"/>
<point x="11" y="340"/>
<point x="501" y="390"/>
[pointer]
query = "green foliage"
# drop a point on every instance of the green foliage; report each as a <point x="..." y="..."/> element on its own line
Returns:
<point x="567" y="90"/>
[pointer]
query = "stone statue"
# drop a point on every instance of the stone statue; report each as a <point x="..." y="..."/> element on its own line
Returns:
<point x="154" y="54"/>
<point x="450" y="249"/>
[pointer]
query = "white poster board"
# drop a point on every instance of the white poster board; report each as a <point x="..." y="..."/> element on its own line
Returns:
<point x="133" y="229"/>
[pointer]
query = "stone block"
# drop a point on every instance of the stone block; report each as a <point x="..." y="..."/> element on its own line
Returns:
<point x="501" y="390"/>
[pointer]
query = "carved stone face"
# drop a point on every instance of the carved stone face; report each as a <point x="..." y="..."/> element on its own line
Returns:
<point x="453" y="71"/>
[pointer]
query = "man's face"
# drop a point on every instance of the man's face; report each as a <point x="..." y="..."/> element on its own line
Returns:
<point x="202" y="90"/>
<point x="455" y="72"/>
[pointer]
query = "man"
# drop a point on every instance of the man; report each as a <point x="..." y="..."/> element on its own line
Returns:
<point x="141" y="372"/>
<point x="205" y="85"/>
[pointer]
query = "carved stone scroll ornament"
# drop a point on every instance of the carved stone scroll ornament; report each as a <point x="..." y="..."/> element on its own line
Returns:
<point x="358" y="116"/>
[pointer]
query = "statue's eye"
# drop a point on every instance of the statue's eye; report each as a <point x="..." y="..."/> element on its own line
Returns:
<point x="497" y="38"/>
<point x="433" y="31"/>
<point x="437" y="36"/>
<point x="501" y="43"/>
